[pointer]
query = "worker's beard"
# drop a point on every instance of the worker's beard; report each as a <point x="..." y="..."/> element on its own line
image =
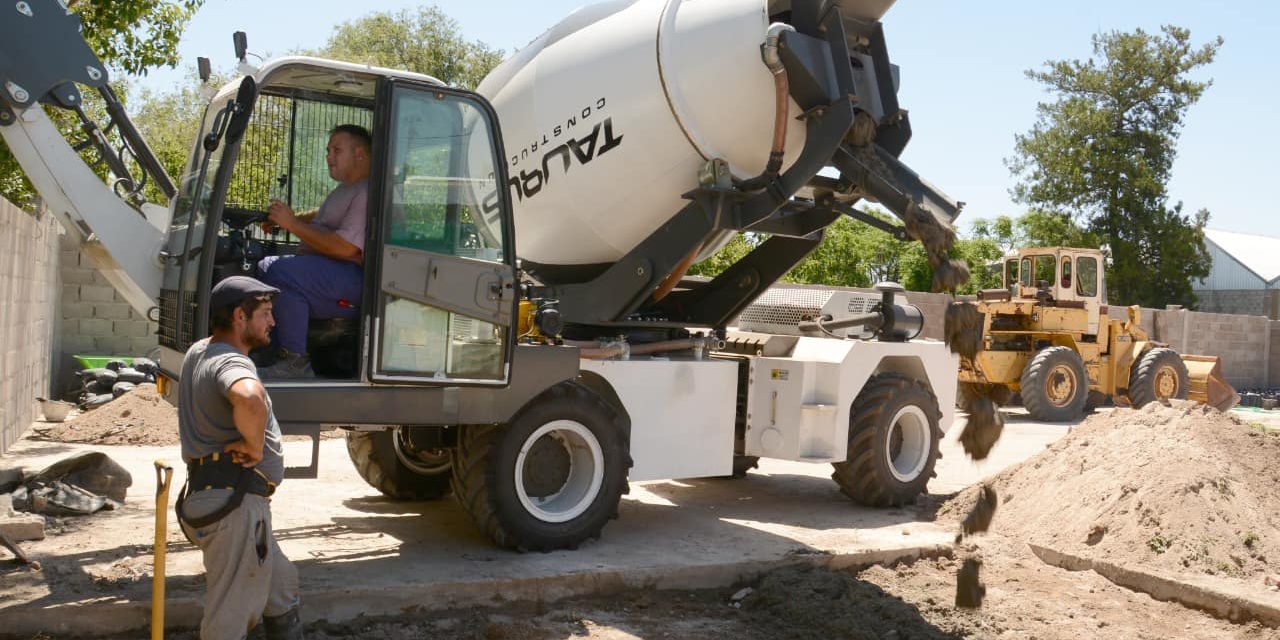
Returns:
<point x="255" y="341"/>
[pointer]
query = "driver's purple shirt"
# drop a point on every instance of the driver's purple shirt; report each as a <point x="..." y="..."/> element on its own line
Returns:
<point x="344" y="212"/>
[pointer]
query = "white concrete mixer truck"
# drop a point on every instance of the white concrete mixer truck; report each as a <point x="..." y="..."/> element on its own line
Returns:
<point x="528" y="339"/>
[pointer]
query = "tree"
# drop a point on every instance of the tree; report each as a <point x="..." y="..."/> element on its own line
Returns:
<point x="1035" y="228"/>
<point x="425" y="40"/>
<point x="1103" y="150"/>
<point x="128" y="36"/>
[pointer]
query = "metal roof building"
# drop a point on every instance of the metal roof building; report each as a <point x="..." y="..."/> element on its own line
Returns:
<point x="1245" y="276"/>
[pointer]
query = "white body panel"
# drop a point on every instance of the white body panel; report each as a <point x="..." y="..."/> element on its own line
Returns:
<point x="608" y="117"/>
<point x="683" y="411"/>
<point x="682" y="414"/>
<point x="798" y="406"/>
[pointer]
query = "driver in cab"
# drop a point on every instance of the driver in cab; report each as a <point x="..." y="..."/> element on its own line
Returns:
<point x="325" y="278"/>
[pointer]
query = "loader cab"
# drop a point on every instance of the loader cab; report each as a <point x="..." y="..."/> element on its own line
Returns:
<point x="438" y="262"/>
<point x="1062" y="275"/>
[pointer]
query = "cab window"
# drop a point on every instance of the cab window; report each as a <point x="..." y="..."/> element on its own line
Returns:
<point x="1066" y="273"/>
<point x="1010" y="273"/>
<point x="1087" y="276"/>
<point x="1024" y="274"/>
<point x="1046" y="267"/>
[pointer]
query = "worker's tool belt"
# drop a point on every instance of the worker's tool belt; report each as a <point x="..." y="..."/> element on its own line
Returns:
<point x="219" y="471"/>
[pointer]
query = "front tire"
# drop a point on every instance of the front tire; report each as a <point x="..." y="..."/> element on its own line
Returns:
<point x="1160" y="374"/>
<point x="388" y="465"/>
<point x="551" y="478"/>
<point x="1055" y="387"/>
<point x="893" y="442"/>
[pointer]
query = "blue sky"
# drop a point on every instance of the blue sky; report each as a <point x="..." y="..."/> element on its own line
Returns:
<point x="962" y="80"/>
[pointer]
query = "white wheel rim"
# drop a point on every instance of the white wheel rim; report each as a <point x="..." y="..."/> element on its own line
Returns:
<point x="912" y="426"/>
<point x="581" y="484"/>
<point x="441" y="464"/>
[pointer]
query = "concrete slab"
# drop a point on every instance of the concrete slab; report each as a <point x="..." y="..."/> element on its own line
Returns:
<point x="359" y="553"/>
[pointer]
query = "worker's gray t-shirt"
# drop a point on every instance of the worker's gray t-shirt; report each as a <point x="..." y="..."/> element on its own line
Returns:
<point x="205" y="421"/>
<point x="344" y="212"/>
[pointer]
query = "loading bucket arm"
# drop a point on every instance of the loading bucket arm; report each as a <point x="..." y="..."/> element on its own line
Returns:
<point x="42" y="60"/>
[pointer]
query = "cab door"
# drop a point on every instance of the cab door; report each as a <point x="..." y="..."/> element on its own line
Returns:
<point x="446" y="274"/>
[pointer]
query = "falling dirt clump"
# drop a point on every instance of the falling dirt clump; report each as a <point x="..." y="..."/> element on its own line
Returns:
<point x="140" y="417"/>
<point x="1181" y="488"/>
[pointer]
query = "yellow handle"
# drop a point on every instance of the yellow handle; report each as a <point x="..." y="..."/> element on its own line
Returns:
<point x="164" y="476"/>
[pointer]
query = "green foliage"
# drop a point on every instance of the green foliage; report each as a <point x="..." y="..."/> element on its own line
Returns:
<point x="425" y="40"/>
<point x="129" y="36"/>
<point x="1035" y="228"/>
<point x="1103" y="150"/>
<point x="137" y="35"/>
<point x="853" y="254"/>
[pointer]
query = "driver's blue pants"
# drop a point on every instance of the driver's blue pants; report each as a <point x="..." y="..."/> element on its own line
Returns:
<point x="310" y="287"/>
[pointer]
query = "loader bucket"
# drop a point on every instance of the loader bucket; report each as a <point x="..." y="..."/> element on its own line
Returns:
<point x="1207" y="384"/>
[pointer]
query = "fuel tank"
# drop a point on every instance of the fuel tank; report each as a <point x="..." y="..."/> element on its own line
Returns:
<point x="609" y="116"/>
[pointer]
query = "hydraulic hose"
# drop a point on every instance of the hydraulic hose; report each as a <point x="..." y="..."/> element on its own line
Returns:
<point x="782" y="105"/>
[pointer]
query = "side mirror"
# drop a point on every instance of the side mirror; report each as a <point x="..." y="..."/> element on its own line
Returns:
<point x="243" y="109"/>
<point x="241" y="41"/>
<point x="206" y="71"/>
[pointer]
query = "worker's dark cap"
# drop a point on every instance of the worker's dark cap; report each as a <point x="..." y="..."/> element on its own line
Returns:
<point x="233" y="290"/>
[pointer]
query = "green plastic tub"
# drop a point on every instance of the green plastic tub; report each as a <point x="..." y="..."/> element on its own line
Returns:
<point x="98" y="362"/>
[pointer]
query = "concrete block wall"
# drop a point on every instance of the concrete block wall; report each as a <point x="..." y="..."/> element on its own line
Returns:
<point x="93" y="318"/>
<point x="1250" y="302"/>
<point x="29" y="291"/>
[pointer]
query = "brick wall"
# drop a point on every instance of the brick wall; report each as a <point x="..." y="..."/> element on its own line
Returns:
<point x="28" y="282"/>
<point x="93" y="318"/>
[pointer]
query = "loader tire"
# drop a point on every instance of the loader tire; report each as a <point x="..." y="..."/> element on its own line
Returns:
<point x="1055" y="386"/>
<point x="1160" y="374"/>
<point x="893" y="442"/>
<point x="549" y="479"/>
<point x="395" y="471"/>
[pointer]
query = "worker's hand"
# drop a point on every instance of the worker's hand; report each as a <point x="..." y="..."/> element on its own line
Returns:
<point x="280" y="215"/>
<point x="242" y="454"/>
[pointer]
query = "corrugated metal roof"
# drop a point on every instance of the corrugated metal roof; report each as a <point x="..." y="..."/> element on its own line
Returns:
<point x="1260" y="254"/>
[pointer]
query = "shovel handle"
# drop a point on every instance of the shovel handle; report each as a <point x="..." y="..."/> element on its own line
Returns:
<point x="164" y="476"/>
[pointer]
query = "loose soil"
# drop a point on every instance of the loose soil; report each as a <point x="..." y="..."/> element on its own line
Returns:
<point x="140" y="417"/>
<point x="1025" y="599"/>
<point x="1175" y="489"/>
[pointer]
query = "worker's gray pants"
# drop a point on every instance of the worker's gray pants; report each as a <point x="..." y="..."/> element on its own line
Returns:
<point x="247" y="575"/>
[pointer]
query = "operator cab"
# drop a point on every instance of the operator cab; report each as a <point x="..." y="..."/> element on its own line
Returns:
<point x="1058" y="276"/>
<point x="438" y="261"/>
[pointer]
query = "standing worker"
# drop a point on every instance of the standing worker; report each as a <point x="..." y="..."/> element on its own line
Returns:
<point x="233" y="450"/>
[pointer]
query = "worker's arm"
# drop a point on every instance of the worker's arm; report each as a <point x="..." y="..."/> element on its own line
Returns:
<point x="250" y="413"/>
<point x="327" y="243"/>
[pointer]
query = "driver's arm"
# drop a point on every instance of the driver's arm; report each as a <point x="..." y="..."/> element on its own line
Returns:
<point x="326" y="243"/>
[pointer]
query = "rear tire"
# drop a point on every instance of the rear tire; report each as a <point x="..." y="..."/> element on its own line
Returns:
<point x="551" y="478"/>
<point x="1055" y="387"/>
<point x="1160" y="374"/>
<point x="893" y="442"/>
<point x="395" y="471"/>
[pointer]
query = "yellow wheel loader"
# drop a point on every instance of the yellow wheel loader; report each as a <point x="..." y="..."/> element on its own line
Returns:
<point x="1047" y="336"/>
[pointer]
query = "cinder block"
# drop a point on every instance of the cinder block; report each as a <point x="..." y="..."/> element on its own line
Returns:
<point x="77" y="310"/>
<point x="77" y="276"/>
<point x="111" y="345"/>
<point x="97" y="293"/>
<point x="96" y="327"/>
<point x="130" y="328"/>
<point x="111" y="310"/>
<point x="25" y="526"/>
<point x="77" y="344"/>
<point x="141" y="346"/>
<point x="70" y="293"/>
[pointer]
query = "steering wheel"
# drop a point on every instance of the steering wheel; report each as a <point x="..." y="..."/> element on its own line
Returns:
<point x="238" y="218"/>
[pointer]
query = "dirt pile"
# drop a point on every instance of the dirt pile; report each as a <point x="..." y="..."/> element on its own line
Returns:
<point x="1180" y="488"/>
<point x="140" y="417"/>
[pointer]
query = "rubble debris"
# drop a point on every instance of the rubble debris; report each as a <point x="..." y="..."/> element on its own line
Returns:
<point x="962" y="329"/>
<point x="79" y="485"/>
<point x="140" y="417"/>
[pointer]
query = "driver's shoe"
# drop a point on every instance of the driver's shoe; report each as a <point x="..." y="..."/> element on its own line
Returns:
<point x="290" y="366"/>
